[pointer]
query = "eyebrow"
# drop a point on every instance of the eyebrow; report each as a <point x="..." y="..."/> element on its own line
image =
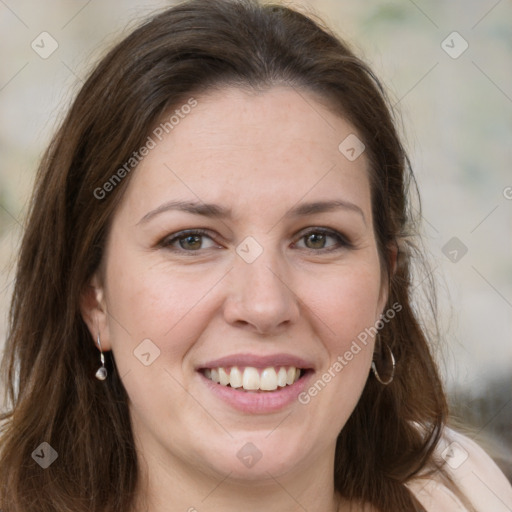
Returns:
<point x="220" y="212"/>
<point x="304" y="209"/>
<point x="205" y="209"/>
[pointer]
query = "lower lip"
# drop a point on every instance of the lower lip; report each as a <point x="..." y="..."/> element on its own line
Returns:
<point x="258" y="402"/>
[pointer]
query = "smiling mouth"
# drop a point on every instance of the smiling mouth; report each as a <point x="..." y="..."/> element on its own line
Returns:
<point x="254" y="379"/>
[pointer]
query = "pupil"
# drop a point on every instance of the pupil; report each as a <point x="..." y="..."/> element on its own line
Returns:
<point x="191" y="242"/>
<point x="316" y="240"/>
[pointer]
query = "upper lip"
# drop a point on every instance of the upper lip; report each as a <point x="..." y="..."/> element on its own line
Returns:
<point x="258" y="361"/>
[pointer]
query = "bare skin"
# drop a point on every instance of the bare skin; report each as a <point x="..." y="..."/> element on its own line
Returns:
<point x="315" y="286"/>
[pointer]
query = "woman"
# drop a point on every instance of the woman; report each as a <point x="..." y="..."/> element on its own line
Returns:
<point x="220" y="234"/>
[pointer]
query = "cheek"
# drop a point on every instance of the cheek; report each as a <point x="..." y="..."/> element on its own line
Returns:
<point x="344" y="311"/>
<point x="347" y="303"/>
<point x="155" y="318"/>
<point x="168" y="307"/>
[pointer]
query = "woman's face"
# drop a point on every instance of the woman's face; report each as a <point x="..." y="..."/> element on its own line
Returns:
<point x="243" y="251"/>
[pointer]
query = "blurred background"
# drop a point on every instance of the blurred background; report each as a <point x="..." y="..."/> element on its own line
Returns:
<point x="447" y="67"/>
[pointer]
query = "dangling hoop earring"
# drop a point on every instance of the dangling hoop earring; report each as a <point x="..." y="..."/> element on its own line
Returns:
<point x="102" y="373"/>
<point x="376" y="373"/>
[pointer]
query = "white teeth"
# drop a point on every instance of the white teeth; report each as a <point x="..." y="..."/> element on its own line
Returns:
<point x="268" y="379"/>
<point x="281" y="377"/>
<point x="250" y="378"/>
<point x="223" y="377"/>
<point x="235" y="378"/>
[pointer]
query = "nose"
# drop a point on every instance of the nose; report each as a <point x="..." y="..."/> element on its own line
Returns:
<point x="261" y="296"/>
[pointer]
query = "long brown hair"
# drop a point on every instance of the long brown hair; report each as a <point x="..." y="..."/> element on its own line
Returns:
<point x="50" y="360"/>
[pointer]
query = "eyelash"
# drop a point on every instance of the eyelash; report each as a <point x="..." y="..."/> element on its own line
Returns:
<point x="341" y="241"/>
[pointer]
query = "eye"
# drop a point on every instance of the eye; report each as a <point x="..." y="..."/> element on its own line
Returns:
<point x="189" y="240"/>
<point x="322" y="239"/>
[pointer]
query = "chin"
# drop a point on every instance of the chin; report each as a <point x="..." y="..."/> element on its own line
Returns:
<point x="258" y="456"/>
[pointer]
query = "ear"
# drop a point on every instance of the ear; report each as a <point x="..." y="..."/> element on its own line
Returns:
<point x="93" y="308"/>
<point x="392" y="265"/>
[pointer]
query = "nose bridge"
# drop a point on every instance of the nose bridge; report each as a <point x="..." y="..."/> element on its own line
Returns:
<point x="260" y="295"/>
<point x="260" y="273"/>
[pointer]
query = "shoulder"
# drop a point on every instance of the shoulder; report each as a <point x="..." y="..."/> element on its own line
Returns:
<point x="473" y="472"/>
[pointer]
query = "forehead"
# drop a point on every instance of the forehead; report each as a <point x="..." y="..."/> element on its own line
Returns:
<point x="268" y="148"/>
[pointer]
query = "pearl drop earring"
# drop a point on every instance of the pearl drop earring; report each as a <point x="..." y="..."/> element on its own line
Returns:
<point x="102" y="373"/>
